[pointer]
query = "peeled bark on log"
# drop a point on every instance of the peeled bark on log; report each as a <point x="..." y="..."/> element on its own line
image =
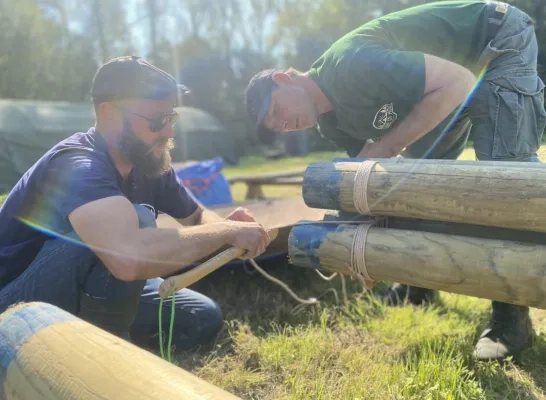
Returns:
<point x="47" y="353"/>
<point x="504" y="196"/>
<point x="506" y="271"/>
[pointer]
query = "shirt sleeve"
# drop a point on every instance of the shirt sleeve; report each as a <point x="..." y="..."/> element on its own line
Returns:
<point x="75" y="178"/>
<point x="173" y="198"/>
<point x="388" y="76"/>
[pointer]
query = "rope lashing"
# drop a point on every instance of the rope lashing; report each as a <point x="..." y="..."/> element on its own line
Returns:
<point x="358" y="253"/>
<point x="360" y="192"/>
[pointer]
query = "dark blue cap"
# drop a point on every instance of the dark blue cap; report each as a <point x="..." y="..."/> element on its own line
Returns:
<point x="258" y="100"/>
<point x="132" y="77"/>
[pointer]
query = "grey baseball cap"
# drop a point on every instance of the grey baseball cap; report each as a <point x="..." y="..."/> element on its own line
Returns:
<point x="258" y="100"/>
<point x="132" y="77"/>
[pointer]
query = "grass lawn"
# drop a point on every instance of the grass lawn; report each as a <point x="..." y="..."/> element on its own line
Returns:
<point x="354" y="350"/>
<point x="361" y="350"/>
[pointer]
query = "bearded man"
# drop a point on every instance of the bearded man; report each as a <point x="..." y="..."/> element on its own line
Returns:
<point x="79" y="230"/>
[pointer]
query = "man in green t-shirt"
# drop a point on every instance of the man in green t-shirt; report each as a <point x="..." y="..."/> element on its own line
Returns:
<point x="419" y="83"/>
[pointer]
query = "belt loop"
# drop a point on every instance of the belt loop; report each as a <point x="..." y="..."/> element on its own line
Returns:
<point x="496" y="13"/>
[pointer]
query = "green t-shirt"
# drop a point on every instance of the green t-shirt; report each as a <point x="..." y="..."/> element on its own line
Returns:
<point x="375" y="75"/>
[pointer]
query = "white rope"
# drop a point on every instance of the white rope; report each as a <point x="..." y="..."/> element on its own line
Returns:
<point x="326" y="278"/>
<point x="311" y="300"/>
<point x="358" y="251"/>
<point x="360" y="186"/>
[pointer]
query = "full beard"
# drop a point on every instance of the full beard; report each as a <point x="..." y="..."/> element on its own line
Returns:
<point x="142" y="156"/>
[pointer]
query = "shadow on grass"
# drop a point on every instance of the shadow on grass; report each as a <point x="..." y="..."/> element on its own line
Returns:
<point x="248" y="298"/>
<point x="251" y="302"/>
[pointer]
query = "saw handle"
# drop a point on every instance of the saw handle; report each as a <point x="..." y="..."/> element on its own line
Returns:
<point x="177" y="282"/>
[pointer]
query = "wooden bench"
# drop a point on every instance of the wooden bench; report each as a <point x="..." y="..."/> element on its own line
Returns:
<point x="255" y="183"/>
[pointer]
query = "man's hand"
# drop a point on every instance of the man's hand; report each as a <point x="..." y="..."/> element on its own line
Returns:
<point x="377" y="150"/>
<point x="249" y="236"/>
<point x="241" y="214"/>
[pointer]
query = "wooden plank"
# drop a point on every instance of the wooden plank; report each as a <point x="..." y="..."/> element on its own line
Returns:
<point x="275" y="213"/>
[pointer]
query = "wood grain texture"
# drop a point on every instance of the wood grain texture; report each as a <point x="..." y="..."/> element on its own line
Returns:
<point x="502" y="270"/>
<point x="423" y="225"/>
<point x="503" y="196"/>
<point x="55" y="356"/>
<point x="419" y="161"/>
<point x="276" y="213"/>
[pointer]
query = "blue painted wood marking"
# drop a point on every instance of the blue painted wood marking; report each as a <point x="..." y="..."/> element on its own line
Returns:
<point x="16" y="328"/>
<point x="308" y="238"/>
<point x="317" y="192"/>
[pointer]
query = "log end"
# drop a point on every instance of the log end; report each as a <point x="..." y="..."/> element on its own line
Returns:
<point x="22" y="321"/>
<point x="305" y="240"/>
<point x="321" y="186"/>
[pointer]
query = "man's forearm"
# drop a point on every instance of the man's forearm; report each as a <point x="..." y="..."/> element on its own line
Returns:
<point x="159" y="252"/>
<point x="426" y="115"/>
<point x="447" y="86"/>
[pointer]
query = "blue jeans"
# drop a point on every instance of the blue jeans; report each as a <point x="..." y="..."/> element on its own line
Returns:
<point x="504" y="115"/>
<point x="64" y="268"/>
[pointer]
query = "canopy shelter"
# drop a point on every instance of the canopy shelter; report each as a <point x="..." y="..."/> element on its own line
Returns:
<point x="29" y="128"/>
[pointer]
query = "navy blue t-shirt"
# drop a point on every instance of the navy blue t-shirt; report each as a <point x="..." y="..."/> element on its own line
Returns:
<point x="76" y="171"/>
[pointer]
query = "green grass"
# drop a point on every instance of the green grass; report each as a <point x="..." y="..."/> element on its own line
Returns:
<point x="359" y="350"/>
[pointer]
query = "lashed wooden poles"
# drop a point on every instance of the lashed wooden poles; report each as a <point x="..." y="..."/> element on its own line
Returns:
<point x="49" y="354"/>
<point x="502" y="270"/>
<point x="496" y="194"/>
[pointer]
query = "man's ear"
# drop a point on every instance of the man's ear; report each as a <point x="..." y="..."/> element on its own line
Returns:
<point x="105" y="110"/>
<point x="280" y="77"/>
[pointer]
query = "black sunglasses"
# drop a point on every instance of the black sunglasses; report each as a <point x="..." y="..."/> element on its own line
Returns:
<point x="156" y="124"/>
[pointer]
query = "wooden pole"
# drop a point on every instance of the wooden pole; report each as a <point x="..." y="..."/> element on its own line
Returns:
<point x="423" y="225"/>
<point x="504" y="196"/>
<point x="502" y="270"/>
<point x="426" y="161"/>
<point x="49" y="354"/>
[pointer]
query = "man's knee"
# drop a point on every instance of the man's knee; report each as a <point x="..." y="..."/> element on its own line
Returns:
<point x="197" y="318"/>
<point x="211" y="317"/>
<point x="207" y="314"/>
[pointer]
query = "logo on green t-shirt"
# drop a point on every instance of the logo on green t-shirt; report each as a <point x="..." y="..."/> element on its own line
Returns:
<point x="385" y="117"/>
